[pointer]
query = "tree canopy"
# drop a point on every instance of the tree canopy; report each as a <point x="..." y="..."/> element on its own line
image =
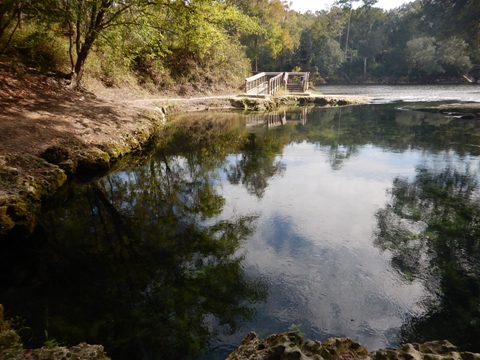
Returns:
<point x="168" y="42"/>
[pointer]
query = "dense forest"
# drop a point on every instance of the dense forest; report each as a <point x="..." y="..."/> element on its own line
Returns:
<point x="183" y="45"/>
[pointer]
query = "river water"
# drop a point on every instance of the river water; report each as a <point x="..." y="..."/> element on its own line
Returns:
<point x="407" y="93"/>
<point x="359" y="221"/>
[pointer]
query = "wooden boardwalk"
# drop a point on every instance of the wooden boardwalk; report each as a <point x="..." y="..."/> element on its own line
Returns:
<point x="268" y="83"/>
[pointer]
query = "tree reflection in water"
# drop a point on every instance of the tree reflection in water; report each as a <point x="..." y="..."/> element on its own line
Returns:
<point x="432" y="229"/>
<point x="257" y="163"/>
<point x="145" y="262"/>
<point x="138" y="261"/>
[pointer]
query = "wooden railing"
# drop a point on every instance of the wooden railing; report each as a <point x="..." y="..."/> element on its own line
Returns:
<point x="275" y="83"/>
<point x="268" y="83"/>
<point x="255" y="84"/>
<point x="306" y="79"/>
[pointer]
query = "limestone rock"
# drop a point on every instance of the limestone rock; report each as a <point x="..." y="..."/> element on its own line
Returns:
<point x="433" y="350"/>
<point x="79" y="352"/>
<point x="292" y="346"/>
<point x="11" y="348"/>
<point x="287" y="346"/>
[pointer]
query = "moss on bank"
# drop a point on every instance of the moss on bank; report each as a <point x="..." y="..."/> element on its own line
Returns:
<point x="272" y="103"/>
<point x="27" y="180"/>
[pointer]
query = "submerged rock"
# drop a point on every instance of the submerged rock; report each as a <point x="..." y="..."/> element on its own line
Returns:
<point x="291" y="345"/>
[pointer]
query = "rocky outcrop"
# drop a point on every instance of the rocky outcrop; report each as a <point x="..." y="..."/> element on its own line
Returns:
<point x="254" y="103"/>
<point x="271" y="103"/>
<point x="27" y="180"/>
<point x="467" y="111"/>
<point x="292" y="346"/>
<point x="81" y="351"/>
<point x="11" y="348"/>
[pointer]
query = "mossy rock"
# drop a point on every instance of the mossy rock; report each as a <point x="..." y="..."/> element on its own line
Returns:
<point x="11" y="347"/>
<point x="93" y="161"/>
<point x="117" y="150"/>
<point x="31" y="179"/>
<point x="55" y="154"/>
<point x="254" y="104"/>
<point x="26" y="180"/>
<point x="238" y="104"/>
<point x="319" y="101"/>
<point x="13" y="212"/>
<point x="6" y="222"/>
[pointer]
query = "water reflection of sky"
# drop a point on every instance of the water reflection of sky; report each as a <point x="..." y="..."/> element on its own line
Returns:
<point x="314" y="246"/>
<point x="407" y="93"/>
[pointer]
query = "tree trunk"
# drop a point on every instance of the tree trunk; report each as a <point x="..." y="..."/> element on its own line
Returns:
<point x="80" y="63"/>
<point x="348" y="33"/>
<point x="16" y="12"/>
<point x="9" y="40"/>
<point x="365" y="67"/>
<point x="256" y="53"/>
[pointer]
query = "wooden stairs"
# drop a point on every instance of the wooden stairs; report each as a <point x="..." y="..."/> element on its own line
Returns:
<point x="295" y="87"/>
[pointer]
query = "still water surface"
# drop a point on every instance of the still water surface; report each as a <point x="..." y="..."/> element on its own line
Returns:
<point x="361" y="222"/>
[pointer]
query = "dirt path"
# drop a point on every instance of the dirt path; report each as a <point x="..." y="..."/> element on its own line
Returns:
<point x="40" y="120"/>
<point x="146" y="101"/>
<point x="184" y="104"/>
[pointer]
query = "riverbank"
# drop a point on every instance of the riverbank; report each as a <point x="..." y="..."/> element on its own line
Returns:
<point x="49" y="133"/>
<point x="247" y="103"/>
<point x="291" y="345"/>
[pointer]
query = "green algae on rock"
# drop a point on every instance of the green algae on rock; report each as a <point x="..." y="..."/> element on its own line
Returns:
<point x="25" y="190"/>
<point x="27" y="180"/>
<point x="271" y="103"/>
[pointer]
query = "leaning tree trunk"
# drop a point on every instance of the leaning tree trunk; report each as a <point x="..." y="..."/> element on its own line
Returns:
<point x="5" y="21"/>
<point x="77" y="73"/>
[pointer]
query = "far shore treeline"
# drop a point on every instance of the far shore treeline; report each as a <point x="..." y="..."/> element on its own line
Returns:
<point x="203" y="45"/>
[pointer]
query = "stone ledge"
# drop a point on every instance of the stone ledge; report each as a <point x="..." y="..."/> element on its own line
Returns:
<point x="291" y="345"/>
